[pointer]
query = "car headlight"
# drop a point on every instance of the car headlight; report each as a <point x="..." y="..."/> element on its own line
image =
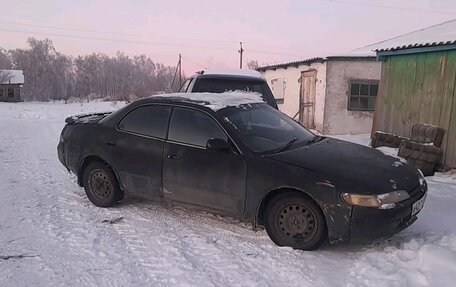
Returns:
<point x="382" y="201"/>
<point x="421" y="178"/>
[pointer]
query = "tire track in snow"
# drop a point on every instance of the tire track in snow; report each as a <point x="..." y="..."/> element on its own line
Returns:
<point x="54" y="209"/>
<point x="199" y="244"/>
<point x="157" y="259"/>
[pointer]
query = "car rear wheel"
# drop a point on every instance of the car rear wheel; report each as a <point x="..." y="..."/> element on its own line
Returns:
<point x="101" y="185"/>
<point x="292" y="219"/>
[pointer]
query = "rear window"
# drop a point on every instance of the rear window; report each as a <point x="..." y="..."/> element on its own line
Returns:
<point x="212" y="85"/>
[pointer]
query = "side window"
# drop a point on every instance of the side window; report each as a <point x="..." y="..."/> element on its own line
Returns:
<point x="184" y="87"/>
<point x="147" y="120"/>
<point x="193" y="127"/>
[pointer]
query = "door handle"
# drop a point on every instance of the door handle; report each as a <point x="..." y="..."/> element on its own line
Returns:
<point x="111" y="143"/>
<point x="173" y="156"/>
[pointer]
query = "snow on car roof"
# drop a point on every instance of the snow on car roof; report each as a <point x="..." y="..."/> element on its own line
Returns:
<point x="216" y="101"/>
<point x="233" y="72"/>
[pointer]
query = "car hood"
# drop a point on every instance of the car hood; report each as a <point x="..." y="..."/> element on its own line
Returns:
<point x="352" y="167"/>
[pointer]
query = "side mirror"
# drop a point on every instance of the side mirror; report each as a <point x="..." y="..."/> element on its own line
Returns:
<point x="218" y="145"/>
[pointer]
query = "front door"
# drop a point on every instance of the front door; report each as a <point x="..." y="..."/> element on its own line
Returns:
<point x="307" y="99"/>
<point x="192" y="174"/>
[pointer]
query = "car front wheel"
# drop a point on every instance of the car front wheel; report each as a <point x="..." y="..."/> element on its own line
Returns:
<point x="101" y="185"/>
<point x="292" y="219"/>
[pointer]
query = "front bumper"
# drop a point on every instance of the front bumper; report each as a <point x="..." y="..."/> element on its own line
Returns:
<point x="369" y="224"/>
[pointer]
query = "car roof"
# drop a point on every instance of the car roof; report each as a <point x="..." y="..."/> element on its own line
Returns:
<point x="231" y="73"/>
<point x="213" y="101"/>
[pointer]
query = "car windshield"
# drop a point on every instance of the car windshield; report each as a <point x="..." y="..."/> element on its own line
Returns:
<point x="263" y="129"/>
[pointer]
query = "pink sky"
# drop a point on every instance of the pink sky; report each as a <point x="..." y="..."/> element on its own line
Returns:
<point x="207" y="33"/>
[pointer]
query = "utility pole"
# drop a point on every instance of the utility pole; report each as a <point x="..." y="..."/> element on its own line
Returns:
<point x="180" y="71"/>
<point x="178" y="68"/>
<point x="240" y="51"/>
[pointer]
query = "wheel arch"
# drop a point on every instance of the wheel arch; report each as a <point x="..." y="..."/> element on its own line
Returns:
<point x="88" y="160"/>
<point x="259" y="217"/>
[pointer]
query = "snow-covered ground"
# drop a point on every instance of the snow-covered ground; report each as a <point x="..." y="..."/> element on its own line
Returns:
<point x="66" y="241"/>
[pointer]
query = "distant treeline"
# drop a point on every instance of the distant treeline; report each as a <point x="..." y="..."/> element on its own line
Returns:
<point x="51" y="75"/>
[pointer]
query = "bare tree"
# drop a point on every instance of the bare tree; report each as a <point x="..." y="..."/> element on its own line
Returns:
<point x="5" y="76"/>
<point x="51" y="75"/>
<point x="5" y="61"/>
<point x="252" y="64"/>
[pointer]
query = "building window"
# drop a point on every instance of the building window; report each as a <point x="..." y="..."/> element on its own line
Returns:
<point x="10" y="93"/>
<point x="363" y="95"/>
<point x="1" y="92"/>
<point x="278" y="89"/>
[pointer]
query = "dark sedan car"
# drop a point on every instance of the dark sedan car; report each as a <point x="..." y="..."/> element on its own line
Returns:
<point x="235" y="155"/>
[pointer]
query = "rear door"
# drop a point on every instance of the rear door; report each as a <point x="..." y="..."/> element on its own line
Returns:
<point x="192" y="174"/>
<point x="137" y="150"/>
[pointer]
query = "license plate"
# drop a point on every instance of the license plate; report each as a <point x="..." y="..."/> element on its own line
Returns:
<point x="417" y="206"/>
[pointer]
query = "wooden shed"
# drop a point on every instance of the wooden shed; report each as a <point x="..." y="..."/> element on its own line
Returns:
<point x="418" y="85"/>
<point x="11" y="82"/>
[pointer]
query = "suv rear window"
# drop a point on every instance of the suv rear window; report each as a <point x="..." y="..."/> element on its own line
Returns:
<point x="213" y="85"/>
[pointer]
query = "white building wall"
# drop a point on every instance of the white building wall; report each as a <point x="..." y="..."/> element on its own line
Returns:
<point x="292" y="76"/>
<point x="337" y="118"/>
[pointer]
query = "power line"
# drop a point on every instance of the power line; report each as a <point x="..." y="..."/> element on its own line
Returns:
<point x="409" y="33"/>
<point x="113" y="39"/>
<point x="273" y="53"/>
<point x="135" y="35"/>
<point x="389" y="7"/>
<point x="194" y="63"/>
<point x="268" y="45"/>
<point x="69" y="29"/>
<point x="138" y="42"/>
